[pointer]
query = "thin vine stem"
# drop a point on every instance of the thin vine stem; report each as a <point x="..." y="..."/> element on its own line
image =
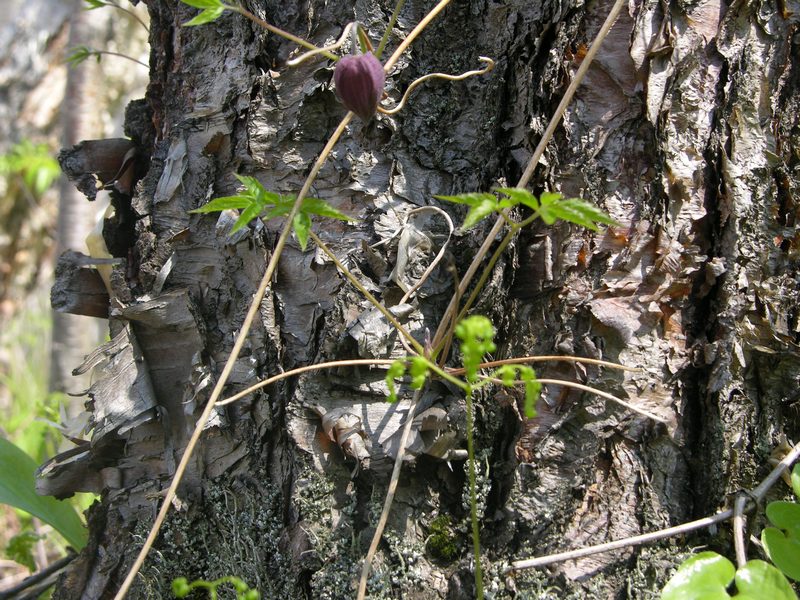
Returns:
<point x="255" y="305"/>
<point x="473" y="497"/>
<point x="125" y="10"/>
<point x="757" y="495"/>
<point x="355" y="362"/>
<point x="452" y="308"/>
<point x="120" y="55"/>
<point x="374" y="301"/>
<point x="278" y="31"/>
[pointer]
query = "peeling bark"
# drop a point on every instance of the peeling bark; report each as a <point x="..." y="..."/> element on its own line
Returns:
<point x="685" y="132"/>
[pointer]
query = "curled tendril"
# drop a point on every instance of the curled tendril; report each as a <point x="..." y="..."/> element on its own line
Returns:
<point x="335" y="46"/>
<point x="489" y="66"/>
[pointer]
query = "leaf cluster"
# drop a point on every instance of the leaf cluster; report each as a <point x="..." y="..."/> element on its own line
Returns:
<point x="255" y="201"/>
<point x="476" y="334"/>
<point x="34" y="163"/>
<point x="710" y="575"/>
<point x="549" y="207"/>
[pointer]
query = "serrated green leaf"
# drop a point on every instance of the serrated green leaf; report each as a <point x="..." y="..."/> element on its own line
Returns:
<point x="395" y="371"/>
<point x="507" y="374"/>
<point x="419" y="372"/>
<point x="533" y="390"/>
<point x="247" y="215"/>
<point x="575" y="210"/>
<point x="548" y="198"/>
<point x="17" y="489"/>
<point x="477" y="339"/>
<point x="510" y="374"/>
<point x="521" y="196"/>
<point x="206" y="16"/>
<point x="315" y="206"/>
<point x="223" y="203"/>
<point x="796" y="481"/>
<point x="705" y="576"/>
<point x="479" y="211"/>
<point x="302" y="225"/>
<point x="782" y="550"/>
<point x="760" y="580"/>
<point x="203" y="3"/>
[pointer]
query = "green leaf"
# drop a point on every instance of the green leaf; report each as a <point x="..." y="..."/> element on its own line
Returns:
<point x="419" y="372"/>
<point x="481" y="205"/>
<point x="204" y="3"/>
<point x="20" y="549"/>
<point x="509" y="374"/>
<point x="223" y="203"/>
<point x="78" y="54"/>
<point x="247" y="215"/>
<point x="796" y="480"/>
<point x="758" y="580"/>
<point x="574" y="210"/>
<point x="478" y="212"/>
<point x="785" y="515"/>
<point x="704" y="576"/>
<point x="315" y="206"/>
<point x="17" y="489"/>
<point x="477" y="338"/>
<point x="782" y="550"/>
<point x="395" y="371"/>
<point x="94" y="4"/>
<point x="521" y="196"/>
<point x="302" y="225"/>
<point x="206" y="16"/>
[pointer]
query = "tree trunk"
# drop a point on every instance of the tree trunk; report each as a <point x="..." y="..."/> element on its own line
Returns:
<point x="685" y="131"/>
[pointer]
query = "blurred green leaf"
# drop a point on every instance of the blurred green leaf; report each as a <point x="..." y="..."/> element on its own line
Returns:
<point x="509" y="374"/>
<point x="17" y="489"/>
<point x="758" y="580"/>
<point x="796" y="481"/>
<point x="206" y="16"/>
<point x="395" y="371"/>
<point x="34" y="163"/>
<point x="783" y="550"/>
<point x="78" y="54"/>
<point x="705" y="576"/>
<point x="20" y="549"/>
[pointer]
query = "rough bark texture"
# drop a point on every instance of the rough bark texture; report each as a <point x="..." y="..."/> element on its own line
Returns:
<point x="686" y="132"/>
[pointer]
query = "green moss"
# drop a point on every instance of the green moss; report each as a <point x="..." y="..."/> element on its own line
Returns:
<point x="442" y="541"/>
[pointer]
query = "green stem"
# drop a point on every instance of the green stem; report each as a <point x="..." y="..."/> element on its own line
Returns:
<point x="448" y="377"/>
<point x="120" y="55"/>
<point x="473" y="499"/>
<point x="392" y="20"/>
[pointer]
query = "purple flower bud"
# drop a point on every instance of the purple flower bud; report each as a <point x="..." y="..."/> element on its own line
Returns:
<point x="359" y="83"/>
